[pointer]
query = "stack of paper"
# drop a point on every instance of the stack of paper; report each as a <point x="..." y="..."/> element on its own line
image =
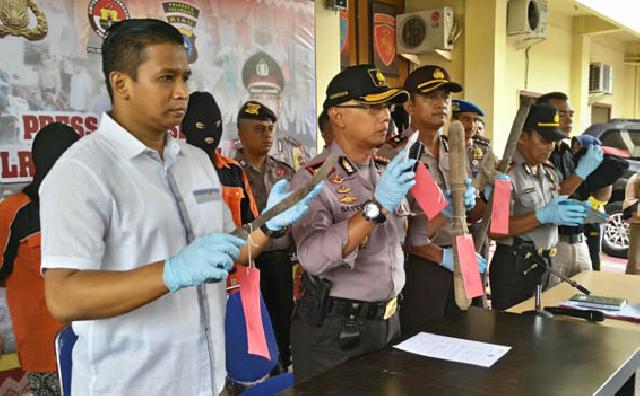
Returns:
<point x="454" y="349"/>
<point x="629" y="312"/>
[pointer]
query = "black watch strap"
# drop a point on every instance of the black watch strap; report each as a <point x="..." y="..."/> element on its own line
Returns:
<point x="274" y="234"/>
<point x="380" y="218"/>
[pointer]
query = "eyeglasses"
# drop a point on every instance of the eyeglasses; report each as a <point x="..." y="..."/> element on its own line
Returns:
<point x="565" y="113"/>
<point x="374" y="107"/>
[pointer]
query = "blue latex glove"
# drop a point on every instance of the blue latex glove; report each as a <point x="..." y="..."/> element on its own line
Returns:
<point x="294" y="213"/>
<point x="395" y="182"/>
<point x="488" y="189"/>
<point x="209" y="257"/>
<point x="562" y="212"/>
<point x="469" y="199"/>
<point x="447" y="261"/>
<point x="590" y="161"/>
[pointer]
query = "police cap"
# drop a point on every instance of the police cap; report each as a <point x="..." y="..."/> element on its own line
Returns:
<point x="361" y="83"/>
<point x="429" y="78"/>
<point x="544" y="119"/>
<point x="465" y="106"/>
<point x="252" y="110"/>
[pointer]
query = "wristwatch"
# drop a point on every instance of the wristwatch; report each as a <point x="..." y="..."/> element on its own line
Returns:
<point x="373" y="211"/>
<point x="273" y="234"/>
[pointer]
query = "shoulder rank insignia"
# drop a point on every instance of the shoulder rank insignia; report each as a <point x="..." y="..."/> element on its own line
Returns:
<point x="343" y="189"/>
<point x="313" y="167"/>
<point x="346" y="165"/>
<point x="336" y="179"/>
<point x="480" y="140"/>
<point x="349" y="199"/>
<point x="396" y="140"/>
<point x="381" y="160"/>
<point x="445" y="143"/>
<point x="550" y="174"/>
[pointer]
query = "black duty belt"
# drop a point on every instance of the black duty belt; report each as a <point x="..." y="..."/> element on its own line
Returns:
<point x="364" y="310"/>
<point x="530" y="247"/>
<point x="571" y="238"/>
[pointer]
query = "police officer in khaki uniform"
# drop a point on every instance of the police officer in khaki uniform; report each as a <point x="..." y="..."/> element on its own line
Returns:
<point x="350" y="241"/>
<point x="428" y="294"/>
<point x="255" y="130"/>
<point x="535" y="213"/>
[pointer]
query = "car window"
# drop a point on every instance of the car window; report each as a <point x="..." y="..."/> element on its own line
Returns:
<point x="623" y="139"/>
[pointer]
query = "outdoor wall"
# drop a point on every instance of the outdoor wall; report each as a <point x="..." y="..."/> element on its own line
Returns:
<point x="455" y="67"/>
<point x="327" y="54"/>
<point x="550" y="65"/>
<point x="611" y="52"/>
<point x="632" y="91"/>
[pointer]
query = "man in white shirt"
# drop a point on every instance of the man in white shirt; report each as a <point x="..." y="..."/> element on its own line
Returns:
<point x="130" y="219"/>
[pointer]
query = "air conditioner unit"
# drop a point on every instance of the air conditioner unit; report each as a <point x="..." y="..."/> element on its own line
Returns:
<point x="527" y="21"/>
<point x="424" y="31"/>
<point x="600" y="78"/>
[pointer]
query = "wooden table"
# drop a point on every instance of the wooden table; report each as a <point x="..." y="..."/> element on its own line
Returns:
<point x="548" y="357"/>
<point x="599" y="283"/>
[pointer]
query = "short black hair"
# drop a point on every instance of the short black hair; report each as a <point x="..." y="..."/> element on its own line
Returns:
<point x="323" y="120"/>
<point x="125" y="42"/>
<point x="552" y="95"/>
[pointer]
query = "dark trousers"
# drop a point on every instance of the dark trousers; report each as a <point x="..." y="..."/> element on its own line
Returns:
<point x="317" y="349"/>
<point x="276" y="286"/>
<point x="427" y="294"/>
<point x="593" y="232"/>
<point x="508" y="284"/>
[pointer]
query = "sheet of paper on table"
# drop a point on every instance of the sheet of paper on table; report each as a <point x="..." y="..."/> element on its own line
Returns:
<point x="454" y="349"/>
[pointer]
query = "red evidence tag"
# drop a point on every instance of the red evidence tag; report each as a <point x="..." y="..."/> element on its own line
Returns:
<point x="249" y="280"/>
<point x="500" y="209"/>
<point x="426" y="191"/>
<point x="469" y="266"/>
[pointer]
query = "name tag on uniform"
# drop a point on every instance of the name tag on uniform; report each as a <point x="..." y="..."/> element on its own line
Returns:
<point x="206" y="195"/>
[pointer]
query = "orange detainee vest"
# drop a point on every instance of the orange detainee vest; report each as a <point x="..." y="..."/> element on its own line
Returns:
<point x="33" y="326"/>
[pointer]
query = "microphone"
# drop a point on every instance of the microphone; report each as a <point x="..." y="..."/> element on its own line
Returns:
<point x="587" y="314"/>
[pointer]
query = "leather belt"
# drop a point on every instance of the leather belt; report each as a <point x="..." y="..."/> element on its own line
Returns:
<point x="364" y="310"/>
<point x="571" y="238"/>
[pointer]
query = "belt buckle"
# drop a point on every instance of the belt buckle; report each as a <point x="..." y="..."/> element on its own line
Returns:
<point x="553" y="252"/>
<point x="390" y="308"/>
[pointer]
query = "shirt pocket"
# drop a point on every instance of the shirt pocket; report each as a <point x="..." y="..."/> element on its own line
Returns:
<point x="233" y="197"/>
<point x="530" y="199"/>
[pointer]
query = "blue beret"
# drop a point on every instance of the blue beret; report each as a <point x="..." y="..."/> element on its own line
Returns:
<point x="461" y="106"/>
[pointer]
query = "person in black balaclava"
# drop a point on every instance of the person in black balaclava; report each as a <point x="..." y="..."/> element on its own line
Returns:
<point x="33" y="326"/>
<point x="202" y="126"/>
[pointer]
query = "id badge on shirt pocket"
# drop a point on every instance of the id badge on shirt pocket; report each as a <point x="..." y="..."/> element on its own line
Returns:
<point x="205" y="195"/>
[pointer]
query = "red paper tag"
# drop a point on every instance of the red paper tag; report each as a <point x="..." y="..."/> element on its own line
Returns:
<point x="427" y="193"/>
<point x="500" y="209"/>
<point x="469" y="266"/>
<point x="249" y="280"/>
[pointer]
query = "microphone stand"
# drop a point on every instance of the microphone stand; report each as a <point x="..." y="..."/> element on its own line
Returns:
<point x="541" y="263"/>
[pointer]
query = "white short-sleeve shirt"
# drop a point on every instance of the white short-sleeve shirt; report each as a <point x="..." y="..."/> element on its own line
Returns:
<point x="107" y="204"/>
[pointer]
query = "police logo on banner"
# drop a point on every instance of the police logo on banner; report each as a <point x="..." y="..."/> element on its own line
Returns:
<point x="103" y="14"/>
<point x="184" y="17"/>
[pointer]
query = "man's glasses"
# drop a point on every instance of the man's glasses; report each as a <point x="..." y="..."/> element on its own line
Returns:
<point x="374" y="107"/>
<point x="565" y="113"/>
